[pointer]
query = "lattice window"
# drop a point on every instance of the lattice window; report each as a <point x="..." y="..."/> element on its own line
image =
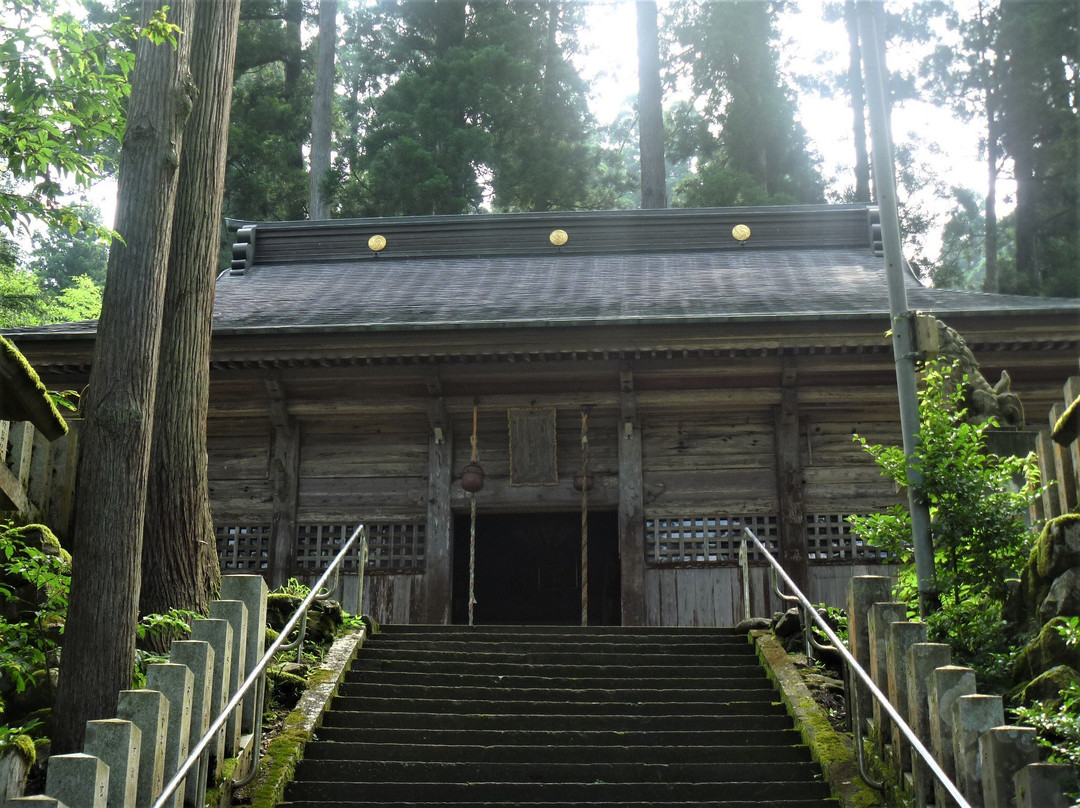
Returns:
<point x="392" y="546"/>
<point x="243" y="547"/>
<point x="706" y="539"/>
<point x="829" y="538"/>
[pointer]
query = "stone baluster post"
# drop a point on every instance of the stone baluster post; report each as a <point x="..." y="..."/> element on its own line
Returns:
<point x="947" y="684"/>
<point x="922" y="659"/>
<point x="901" y="636"/>
<point x="972" y="716"/>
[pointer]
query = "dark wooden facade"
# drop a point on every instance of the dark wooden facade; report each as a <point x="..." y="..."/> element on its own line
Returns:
<point x="699" y="423"/>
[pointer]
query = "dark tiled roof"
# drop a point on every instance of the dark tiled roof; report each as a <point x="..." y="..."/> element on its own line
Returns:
<point x="554" y="289"/>
<point x="801" y="263"/>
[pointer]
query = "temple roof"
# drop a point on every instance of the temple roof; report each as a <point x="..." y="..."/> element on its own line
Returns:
<point x="615" y="267"/>
<point x="799" y="262"/>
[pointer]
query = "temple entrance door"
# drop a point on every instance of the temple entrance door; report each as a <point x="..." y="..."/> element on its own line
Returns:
<point x="528" y="569"/>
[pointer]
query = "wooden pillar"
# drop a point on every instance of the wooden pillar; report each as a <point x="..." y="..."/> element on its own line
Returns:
<point x="789" y="482"/>
<point x="438" y="561"/>
<point x="631" y="506"/>
<point x="284" y="483"/>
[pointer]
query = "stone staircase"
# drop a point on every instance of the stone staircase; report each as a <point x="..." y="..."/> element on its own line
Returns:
<point x="546" y="716"/>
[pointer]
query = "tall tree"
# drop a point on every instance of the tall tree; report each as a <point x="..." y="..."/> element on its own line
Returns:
<point x="479" y="105"/>
<point x="63" y="86"/>
<point x="967" y="79"/>
<point x="99" y="642"/>
<point x="650" y="109"/>
<point x="322" y="108"/>
<point x="1040" y="126"/>
<point x="760" y="153"/>
<point x="271" y="114"/>
<point x="858" y="104"/>
<point x="179" y="562"/>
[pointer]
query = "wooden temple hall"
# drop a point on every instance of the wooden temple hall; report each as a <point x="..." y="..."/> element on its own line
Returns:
<point x="695" y="371"/>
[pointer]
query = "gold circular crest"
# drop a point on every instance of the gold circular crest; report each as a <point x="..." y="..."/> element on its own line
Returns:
<point x="558" y="237"/>
<point x="376" y="243"/>
<point x="740" y="232"/>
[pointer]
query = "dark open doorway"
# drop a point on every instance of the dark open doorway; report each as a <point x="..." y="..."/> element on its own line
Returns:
<point x="528" y="569"/>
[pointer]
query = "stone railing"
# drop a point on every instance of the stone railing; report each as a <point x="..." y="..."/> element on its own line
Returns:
<point x="37" y="475"/>
<point x="126" y="760"/>
<point x="994" y="765"/>
<point x="1059" y="458"/>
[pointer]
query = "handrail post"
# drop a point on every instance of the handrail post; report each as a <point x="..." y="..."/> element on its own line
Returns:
<point x="917" y="746"/>
<point x="254" y="679"/>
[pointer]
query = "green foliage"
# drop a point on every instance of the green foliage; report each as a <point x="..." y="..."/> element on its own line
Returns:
<point x="979" y="536"/>
<point x="754" y="151"/>
<point x="159" y="629"/>
<point x="18" y="737"/>
<point x="34" y="584"/>
<point x="836" y="618"/>
<point x="63" y="87"/>
<point x="293" y="588"/>
<point x="1058" y="725"/>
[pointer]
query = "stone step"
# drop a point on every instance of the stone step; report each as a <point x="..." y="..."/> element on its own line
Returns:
<point x="643" y="669"/>
<point x="497" y="705"/>
<point x="772" y="803"/>
<point x="414" y="771"/>
<point x="719" y="693"/>
<point x="577" y="633"/>
<point x="423" y="677"/>
<point x="753" y="736"/>
<point x="580" y="793"/>
<point x="483" y="643"/>
<point x="567" y="656"/>
<point x="553" y="752"/>
<point x="775" y="719"/>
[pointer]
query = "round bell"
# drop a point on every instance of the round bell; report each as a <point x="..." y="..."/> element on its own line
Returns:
<point x="472" y="478"/>
<point x="583" y="481"/>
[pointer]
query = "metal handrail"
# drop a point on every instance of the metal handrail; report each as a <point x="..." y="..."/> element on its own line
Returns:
<point x="259" y="671"/>
<point x="856" y="669"/>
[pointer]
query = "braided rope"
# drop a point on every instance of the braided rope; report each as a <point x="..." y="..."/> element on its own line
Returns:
<point x="472" y="556"/>
<point x="472" y="520"/>
<point x="584" y="516"/>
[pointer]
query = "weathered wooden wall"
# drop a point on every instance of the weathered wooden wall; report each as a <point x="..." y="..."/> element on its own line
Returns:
<point x="37" y="476"/>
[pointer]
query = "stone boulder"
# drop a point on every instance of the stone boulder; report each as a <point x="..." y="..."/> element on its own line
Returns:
<point x="1063" y="599"/>
<point x="1047" y="687"/>
<point x="1058" y="548"/>
<point x="1048" y="650"/>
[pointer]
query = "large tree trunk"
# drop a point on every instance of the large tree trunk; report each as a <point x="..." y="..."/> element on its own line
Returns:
<point x="321" y="110"/>
<point x="858" y="105"/>
<point x="990" y="280"/>
<point x="99" y="641"/>
<point x="180" y="567"/>
<point x="650" y="109"/>
<point x="294" y="71"/>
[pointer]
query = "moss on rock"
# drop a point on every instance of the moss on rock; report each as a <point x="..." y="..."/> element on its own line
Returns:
<point x="1047" y="687"/>
<point x="1058" y="547"/>
<point x="1046" y="651"/>
<point x="1067" y="428"/>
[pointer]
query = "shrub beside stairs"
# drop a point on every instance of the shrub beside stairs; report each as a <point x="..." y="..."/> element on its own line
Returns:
<point x="535" y="716"/>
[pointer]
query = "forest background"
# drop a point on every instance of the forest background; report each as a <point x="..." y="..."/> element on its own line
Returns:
<point x="451" y="107"/>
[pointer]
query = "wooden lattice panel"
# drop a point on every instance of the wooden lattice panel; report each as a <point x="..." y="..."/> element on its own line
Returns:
<point x="829" y="537"/>
<point x="243" y="547"/>
<point x="682" y="540"/>
<point x="392" y="546"/>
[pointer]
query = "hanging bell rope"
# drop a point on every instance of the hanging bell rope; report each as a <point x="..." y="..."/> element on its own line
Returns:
<point x="475" y="460"/>
<point x="585" y="516"/>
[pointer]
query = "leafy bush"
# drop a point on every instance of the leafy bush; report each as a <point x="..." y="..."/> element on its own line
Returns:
<point x="979" y="536"/>
<point x="33" y="592"/>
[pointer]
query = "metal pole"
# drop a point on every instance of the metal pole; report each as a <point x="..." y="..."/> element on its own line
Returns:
<point x="903" y="330"/>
